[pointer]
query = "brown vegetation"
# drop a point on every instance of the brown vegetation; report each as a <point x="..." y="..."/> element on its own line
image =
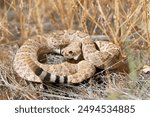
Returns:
<point x="124" y="22"/>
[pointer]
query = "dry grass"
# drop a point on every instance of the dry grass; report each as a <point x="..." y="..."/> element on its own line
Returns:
<point x="126" y="23"/>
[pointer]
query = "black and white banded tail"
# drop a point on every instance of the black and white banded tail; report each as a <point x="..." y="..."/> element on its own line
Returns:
<point x="49" y="77"/>
<point x="44" y="75"/>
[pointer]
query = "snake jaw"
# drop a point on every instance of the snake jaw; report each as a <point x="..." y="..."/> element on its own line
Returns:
<point x="77" y="57"/>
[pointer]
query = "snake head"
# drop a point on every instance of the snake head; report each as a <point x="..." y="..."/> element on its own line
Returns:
<point x="72" y="51"/>
<point x="71" y="54"/>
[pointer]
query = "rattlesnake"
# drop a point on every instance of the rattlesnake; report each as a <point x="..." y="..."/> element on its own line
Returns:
<point x="71" y="44"/>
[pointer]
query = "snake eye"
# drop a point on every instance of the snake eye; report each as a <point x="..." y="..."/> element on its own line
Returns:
<point x="70" y="52"/>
